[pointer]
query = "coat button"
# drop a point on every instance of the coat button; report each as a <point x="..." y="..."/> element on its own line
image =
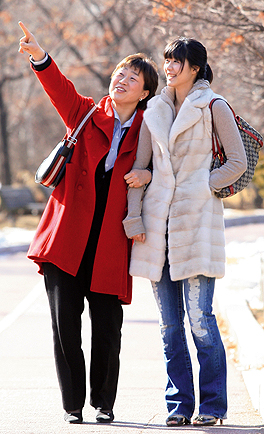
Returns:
<point x="84" y="172"/>
<point x="88" y="136"/>
<point x="80" y="187"/>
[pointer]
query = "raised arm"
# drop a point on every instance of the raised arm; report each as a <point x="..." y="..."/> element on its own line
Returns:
<point x="70" y="105"/>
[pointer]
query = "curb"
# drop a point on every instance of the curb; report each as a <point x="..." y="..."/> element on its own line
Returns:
<point x="9" y="250"/>
<point x="229" y="222"/>
<point x="244" y="329"/>
<point x="243" y="220"/>
<point x="248" y="335"/>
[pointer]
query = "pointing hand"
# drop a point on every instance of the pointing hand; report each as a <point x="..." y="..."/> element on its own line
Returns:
<point x="29" y="44"/>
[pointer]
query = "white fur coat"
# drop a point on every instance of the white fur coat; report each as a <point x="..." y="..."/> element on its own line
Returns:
<point x="179" y="198"/>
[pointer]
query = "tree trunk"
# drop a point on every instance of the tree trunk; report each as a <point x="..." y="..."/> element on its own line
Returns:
<point x="5" y="174"/>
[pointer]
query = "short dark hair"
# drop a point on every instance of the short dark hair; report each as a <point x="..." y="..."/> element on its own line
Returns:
<point x="192" y="50"/>
<point x="142" y="63"/>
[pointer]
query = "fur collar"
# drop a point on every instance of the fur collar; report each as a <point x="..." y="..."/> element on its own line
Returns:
<point x="160" y="114"/>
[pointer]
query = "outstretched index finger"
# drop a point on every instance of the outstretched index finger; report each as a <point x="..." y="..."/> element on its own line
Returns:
<point x="24" y="29"/>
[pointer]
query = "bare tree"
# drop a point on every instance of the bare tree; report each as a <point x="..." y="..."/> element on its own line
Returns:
<point x="8" y="75"/>
<point x="233" y="32"/>
<point x="88" y="37"/>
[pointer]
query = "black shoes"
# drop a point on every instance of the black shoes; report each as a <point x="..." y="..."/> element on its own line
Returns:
<point x="104" y="416"/>
<point x="177" y="420"/>
<point x="201" y="419"/>
<point x="206" y="420"/>
<point x="75" y="417"/>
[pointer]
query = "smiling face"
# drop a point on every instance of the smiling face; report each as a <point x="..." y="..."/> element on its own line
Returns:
<point x="127" y="87"/>
<point x="179" y="75"/>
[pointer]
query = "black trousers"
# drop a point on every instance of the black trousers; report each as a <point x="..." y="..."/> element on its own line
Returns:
<point x="66" y="298"/>
<point x="66" y="295"/>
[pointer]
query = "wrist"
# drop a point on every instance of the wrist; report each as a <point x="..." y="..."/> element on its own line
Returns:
<point x="148" y="177"/>
<point x="39" y="56"/>
<point x="41" y="64"/>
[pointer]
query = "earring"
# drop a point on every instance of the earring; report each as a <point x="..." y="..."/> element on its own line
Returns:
<point x="140" y="99"/>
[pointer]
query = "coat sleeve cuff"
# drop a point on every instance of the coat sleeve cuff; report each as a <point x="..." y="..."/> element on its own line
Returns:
<point x="42" y="64"/>
<point x="133" y="226"/>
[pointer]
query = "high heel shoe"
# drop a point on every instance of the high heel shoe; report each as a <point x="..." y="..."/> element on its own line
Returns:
<point x="177" y="420"/>
<point x="206" y="420"/>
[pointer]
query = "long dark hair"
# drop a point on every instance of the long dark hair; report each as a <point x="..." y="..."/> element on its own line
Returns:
<point x="192" y="50"/>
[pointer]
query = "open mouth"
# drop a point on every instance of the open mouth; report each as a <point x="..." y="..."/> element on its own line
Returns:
<point x="119" y="89"/>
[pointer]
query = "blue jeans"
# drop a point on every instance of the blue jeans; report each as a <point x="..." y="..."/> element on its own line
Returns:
<point x="179" y="395"/>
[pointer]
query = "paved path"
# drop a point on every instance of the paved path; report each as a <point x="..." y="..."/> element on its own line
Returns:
<point x="30" y="400"/>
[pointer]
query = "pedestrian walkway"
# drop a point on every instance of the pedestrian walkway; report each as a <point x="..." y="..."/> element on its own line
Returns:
<point x="239" y="289"/>
<point x="29" y="396"/>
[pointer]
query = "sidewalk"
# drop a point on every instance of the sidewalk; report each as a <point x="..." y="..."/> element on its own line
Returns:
<point x="240" y="288"/>
<point x="29" y="394"/>
<point x="30" y="398"/>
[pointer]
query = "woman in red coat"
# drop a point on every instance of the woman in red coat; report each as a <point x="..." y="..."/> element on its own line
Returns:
<point x="80" y="245"/>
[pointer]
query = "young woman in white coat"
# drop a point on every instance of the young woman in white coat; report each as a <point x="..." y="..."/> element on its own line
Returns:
<point x="179" y="233"/>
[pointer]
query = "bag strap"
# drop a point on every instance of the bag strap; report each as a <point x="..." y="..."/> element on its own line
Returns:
<point x="216" y="147"/>
<point x="238" y="122"/>
<point x="72" y="137"/>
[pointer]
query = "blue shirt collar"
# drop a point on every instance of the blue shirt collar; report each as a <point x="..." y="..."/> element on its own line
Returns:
<point x="129" y="122"/>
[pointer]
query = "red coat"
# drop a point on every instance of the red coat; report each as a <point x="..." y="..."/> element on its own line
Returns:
<point x="64" y="228"/>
